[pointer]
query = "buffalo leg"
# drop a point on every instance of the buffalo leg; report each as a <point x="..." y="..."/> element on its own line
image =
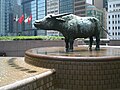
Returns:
<point x="71" y="45"/>
<point x="97" y="42"/>
<point x="90" y="45"/>
<point x="67" y="44"/>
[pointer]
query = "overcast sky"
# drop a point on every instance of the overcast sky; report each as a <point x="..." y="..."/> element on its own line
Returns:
<point x="89" y="1"/>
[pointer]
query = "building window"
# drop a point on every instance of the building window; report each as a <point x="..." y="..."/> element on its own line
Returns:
<point x="118" y="27"/>
<point x="109" y="28"/>
<point x="109" y="16"/>
<point x="109" y="22"/>
<point x="118" y="21"/>
<point x="117" y="5"/>
<point x="113" y="5"/>
<point x="79" y="8"/>
<point x="113" y="33"/>
<point x="112" y="16"/>
<point x="113" y="28"/>
<point x="118" y="33"/>
<point x="112" y="22"/>
<point x="118" y="15"/>
<point x="110" y="6"/>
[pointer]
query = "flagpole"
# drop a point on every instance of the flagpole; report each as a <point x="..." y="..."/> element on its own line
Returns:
<point x="23" y="24"/>
<point x="16" y="23"/>
<point x="17" y="28"/>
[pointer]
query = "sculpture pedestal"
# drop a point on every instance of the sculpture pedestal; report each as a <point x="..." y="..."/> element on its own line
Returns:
<point x="81" y="69"/>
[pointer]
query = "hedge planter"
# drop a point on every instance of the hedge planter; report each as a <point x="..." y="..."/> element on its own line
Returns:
<point x="18" y="47"/>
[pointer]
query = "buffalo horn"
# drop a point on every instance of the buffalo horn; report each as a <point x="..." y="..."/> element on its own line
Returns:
<point x="60" y="15"/>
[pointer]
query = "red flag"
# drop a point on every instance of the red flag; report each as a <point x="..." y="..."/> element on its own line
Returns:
<point x="21" y="19"/>
<point x="29" y="19"/>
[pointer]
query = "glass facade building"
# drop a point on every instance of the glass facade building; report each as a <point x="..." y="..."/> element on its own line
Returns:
<point x="41" y="11"/>
<point x="9" y="6"/>
<point x="66" y="6"/>
<point x="80" y="8"/>
<point x="100" y="4"/>
<point x="2" y="17"/>
<point x="7" y="11"/>
<point x="52" y="8"/>
<point x="92" y="11"/>
<point x="37" y="9"/>
<point x="105" y="4"/>
<point x="40" y="8"/>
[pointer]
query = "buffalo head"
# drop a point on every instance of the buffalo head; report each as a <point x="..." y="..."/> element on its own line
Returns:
<point x="49" y="22"/>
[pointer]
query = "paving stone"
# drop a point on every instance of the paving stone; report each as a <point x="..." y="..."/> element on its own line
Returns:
<point x="11" y="70"/>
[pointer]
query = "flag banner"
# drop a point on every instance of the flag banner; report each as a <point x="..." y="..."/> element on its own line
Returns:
<point x="28" y="19"/>
<point x="21" y="19"/>
<point x="16" y="18"/>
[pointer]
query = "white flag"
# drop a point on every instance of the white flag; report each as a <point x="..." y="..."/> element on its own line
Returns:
<point x="26" y="20"/>
<point x="16" y="18"/>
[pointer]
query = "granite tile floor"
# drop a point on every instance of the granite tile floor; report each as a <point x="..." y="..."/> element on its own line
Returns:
<point x="13" y="69"/>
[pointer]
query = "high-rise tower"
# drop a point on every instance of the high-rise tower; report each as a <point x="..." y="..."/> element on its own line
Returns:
<point x="80" y="7"/>
<point x="2" y="17"/>
<point x="7" y="13"/>
<point x="36" y="8"/>
<point x="113" y="19"/>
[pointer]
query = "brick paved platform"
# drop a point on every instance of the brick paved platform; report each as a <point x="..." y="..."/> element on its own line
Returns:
<point x="81" y="69"/>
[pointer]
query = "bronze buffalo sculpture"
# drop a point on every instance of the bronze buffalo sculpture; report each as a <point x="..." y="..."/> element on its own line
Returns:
<point x="72" y="27"/>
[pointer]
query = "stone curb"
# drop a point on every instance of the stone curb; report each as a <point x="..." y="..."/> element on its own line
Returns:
<point x="26" y="81"/>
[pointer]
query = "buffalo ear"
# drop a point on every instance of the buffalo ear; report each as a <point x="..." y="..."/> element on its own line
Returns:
<point x="61" y="19"/>
<point x="51" y="16"/>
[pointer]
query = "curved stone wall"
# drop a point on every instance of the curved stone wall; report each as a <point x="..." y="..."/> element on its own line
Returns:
<point x="80" y="73"/>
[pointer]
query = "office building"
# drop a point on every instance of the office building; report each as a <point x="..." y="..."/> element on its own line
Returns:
<point x="105" y="4"/>
<point x="101" y="6"/>
<point x="36" y="8"/>
<point x="66" y="6"/>
<point x="2" y="17"/>
<point x="17" y="28"/>
<point x="113" y="19"/>
<point x="100" y="3"/>
<point x="40" y="8"/>
<point x="52" y="8"/>
<point x="80" y="8"/>
<point x="92" y="11"/>
<point x="7" y="13"/>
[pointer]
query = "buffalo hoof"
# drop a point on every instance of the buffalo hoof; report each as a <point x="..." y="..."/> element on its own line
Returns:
<point x="70" y="50"/>
<point x="67" y="50"/>
<point x="97" y="49"/>
<point x="90" y="49"/>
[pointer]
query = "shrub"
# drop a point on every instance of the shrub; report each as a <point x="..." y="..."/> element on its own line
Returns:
<point x="31" y="38"/>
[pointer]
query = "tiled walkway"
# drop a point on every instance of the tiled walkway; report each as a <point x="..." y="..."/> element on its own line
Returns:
<point x="13" y="69"/>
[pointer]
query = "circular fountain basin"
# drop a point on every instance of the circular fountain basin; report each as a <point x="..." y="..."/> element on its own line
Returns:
<point x="81" y="69"/>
